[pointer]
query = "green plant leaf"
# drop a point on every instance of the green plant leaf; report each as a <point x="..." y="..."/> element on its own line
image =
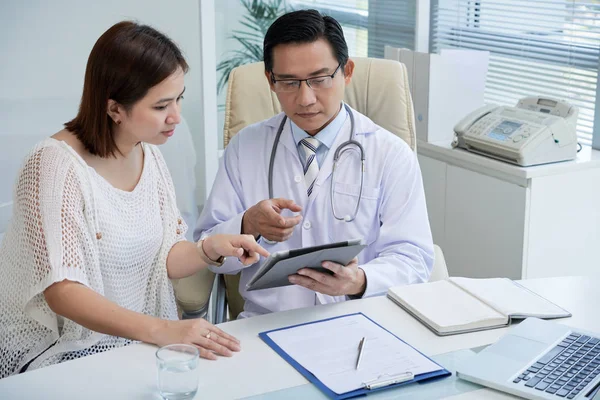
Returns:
<point x="252" y="48"/>
<point x="254" y="33"/>
<point x="259" y="16"/>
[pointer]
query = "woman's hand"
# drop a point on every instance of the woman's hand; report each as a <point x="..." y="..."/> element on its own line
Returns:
<point x="185" y="258"/>
<point x="203" y="335"/>
<point x="243" y="247"/>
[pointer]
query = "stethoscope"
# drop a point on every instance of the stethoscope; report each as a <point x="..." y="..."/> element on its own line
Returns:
<point x="343" y="147"/>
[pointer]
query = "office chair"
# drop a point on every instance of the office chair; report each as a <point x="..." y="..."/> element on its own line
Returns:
<point x="379" y="89"/>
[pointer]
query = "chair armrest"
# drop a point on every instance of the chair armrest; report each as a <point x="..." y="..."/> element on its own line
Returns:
<point x="193" y="293"/>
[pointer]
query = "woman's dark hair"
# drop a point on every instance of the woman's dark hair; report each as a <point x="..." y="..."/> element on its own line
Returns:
<point x="126" y="61"/>
<point x="305" y="26"/>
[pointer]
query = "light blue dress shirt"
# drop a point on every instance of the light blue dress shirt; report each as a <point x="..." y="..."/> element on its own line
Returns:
<point x="326" y="136"/>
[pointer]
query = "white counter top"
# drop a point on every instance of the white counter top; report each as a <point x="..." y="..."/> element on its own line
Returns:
<point x="587" y="158"/>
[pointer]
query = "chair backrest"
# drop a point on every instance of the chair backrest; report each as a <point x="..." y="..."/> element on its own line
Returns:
<point x="379" y="89"/>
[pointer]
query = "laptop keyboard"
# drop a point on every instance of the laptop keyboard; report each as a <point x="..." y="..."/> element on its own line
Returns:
<point x="566" y="369"/>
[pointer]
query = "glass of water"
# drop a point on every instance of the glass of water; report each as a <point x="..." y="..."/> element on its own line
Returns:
<point x="177" y="371"/>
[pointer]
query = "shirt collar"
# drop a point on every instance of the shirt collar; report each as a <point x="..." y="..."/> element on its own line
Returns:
<point x="327" y="135"/>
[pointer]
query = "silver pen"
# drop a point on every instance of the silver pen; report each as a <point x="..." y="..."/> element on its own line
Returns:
<point x="361" y="348"/>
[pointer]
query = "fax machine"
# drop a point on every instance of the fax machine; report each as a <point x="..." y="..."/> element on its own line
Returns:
<point x="537" y="131"/>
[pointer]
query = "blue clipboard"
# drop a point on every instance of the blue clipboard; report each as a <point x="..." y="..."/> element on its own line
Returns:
<point x="442" y="373"/>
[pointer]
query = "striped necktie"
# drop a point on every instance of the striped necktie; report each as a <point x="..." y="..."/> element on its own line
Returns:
<point x="311" y="166"/>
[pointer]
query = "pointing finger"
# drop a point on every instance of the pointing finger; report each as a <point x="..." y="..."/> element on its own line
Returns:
<point x="292" y="221"/>
<point x="250" y="245"/>
<point x="287" y="203"/>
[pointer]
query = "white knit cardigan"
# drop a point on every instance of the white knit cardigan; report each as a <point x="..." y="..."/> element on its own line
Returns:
<point x="70" y="223"/>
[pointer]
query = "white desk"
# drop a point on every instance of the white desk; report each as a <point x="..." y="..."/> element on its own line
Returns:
<point x="130" y="372"/>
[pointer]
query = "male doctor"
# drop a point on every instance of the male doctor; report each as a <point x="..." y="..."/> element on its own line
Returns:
<point x="307" y="66"/>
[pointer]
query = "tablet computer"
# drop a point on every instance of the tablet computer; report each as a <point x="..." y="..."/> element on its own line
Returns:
<point x="278" y="266"/>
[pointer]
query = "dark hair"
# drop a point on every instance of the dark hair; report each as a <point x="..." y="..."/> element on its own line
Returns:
<point x="126" y="61"/>
<point x="305" y="26"/>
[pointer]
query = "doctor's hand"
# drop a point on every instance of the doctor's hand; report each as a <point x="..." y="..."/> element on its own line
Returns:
<point x="243" y="247"/>
<point x="265" y="219"/>
<point x="346" y="280"/>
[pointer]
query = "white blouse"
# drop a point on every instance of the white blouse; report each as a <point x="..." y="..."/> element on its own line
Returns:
<point x="70" y="223"/>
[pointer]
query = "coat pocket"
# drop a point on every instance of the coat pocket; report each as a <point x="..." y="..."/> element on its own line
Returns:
<point x="366" y="223"/>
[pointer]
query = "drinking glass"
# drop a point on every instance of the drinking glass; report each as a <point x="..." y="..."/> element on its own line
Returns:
<point x="177" y="371"/>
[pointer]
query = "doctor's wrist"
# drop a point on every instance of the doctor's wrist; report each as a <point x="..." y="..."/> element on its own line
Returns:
<point x="360" y="286"/>
<point x="247" y="227"/>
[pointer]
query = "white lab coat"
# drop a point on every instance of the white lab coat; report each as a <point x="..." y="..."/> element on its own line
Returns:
<point x="392" y="218"/>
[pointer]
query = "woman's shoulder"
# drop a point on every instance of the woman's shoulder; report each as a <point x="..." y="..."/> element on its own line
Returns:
<point x="64" y="145"/>
<point x="51" y="157"/>
<point x="48" y="152"/>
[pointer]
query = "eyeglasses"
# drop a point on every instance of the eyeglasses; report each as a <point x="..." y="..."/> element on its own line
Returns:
<point x="292" y="85"/>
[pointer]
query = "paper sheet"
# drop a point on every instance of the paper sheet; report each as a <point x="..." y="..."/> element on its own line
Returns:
<point x="509" y="298"/>
<point x="329" y="350"/>
<point x="446" y="306"/>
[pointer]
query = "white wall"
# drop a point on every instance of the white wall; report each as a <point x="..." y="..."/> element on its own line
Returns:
<point x="45" y="46"/>
<point x="228" y="14"/>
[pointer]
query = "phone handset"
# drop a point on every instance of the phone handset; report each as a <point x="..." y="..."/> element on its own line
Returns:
<point x="464" y="124"/>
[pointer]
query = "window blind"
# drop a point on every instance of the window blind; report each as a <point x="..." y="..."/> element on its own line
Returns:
<point x="537" y="47"/>
<point x="369" y="25"/>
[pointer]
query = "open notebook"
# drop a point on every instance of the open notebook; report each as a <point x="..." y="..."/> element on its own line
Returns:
<point x="460" y="305"/>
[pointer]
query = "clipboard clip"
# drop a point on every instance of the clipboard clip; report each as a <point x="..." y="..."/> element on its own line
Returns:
<point x="392" y="380"/>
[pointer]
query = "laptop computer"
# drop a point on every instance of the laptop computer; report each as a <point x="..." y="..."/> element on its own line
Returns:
<point x="539" y="359"/>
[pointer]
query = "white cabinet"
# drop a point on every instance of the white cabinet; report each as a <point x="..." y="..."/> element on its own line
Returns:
<point x="494" y="219"/>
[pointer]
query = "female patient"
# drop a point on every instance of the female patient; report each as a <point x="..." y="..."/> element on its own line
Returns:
<point x="96" y="234"/>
